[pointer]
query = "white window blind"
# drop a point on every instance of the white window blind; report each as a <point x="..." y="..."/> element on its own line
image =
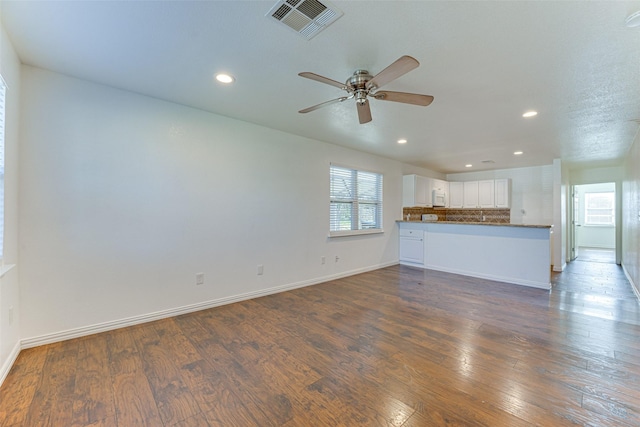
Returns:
<point x="355" y="201"/>
<point x="599" y="208"/>
<point x="3" y="89"/>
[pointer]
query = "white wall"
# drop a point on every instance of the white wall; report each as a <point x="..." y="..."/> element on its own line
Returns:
<point x="631" y="215"/>
<point x="531" y="191"/>
<point x="125" y="198"/>
<point x="9" y="291"/>
<point x="561" y="190"/>
<point x="566" y="215"/>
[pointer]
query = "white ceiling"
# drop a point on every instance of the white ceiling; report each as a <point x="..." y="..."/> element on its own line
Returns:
<point x="485" y="62"/>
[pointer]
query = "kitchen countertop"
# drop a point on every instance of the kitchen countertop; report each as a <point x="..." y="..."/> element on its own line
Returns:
<point x="477" y="223"/>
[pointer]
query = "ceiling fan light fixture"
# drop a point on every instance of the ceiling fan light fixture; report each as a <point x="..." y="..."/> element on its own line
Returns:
<point x="633" y="20"/>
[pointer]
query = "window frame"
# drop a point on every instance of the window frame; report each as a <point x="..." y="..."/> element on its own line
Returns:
<point x="611" y="209"/>
<point x="357" y="201"/>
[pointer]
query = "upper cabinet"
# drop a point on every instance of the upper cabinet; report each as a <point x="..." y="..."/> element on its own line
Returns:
<point x="456" y="194"/>
<point x="502" y="193"/>
<point x="470" y="194"/>
<point x="486" y="194"/>
<point x="439" y="185"/>
<point x="416" y="191"/>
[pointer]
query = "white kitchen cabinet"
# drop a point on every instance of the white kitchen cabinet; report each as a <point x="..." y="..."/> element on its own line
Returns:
<point x="456" y="194"/>
<point x="411" y="246"/>
<point x="486" y="193"/>
<point x="470" y="194"/>
<point x="416" y="191"/>
<point x="502" y="191"/>
<point x="440" y="185"/>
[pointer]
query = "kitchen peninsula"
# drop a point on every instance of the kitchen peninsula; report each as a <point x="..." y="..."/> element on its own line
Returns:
<point x="512" y="253"/>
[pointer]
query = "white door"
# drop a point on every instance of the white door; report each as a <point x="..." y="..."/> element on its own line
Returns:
<point x="575" y="209"/>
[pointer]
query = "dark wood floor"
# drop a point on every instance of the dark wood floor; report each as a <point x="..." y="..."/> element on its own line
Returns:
<point x="398" y="346"/>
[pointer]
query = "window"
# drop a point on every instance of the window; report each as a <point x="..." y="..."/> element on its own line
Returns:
<point x="2" y="103"/>
<point x="599" y="208"/>
<point x="355" y="202"/>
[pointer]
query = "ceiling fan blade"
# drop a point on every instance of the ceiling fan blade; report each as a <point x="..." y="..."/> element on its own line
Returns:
<point x="324" y="104"/>
<point x="407" y="98"/>
<point x="364" y="112"/>
<point x="400" y="67"/>
<point x="322" y="79"/>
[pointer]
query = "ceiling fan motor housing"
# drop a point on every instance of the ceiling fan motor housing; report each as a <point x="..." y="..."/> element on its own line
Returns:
<point x="358" y="80"/>
<point x="357" y="84"/>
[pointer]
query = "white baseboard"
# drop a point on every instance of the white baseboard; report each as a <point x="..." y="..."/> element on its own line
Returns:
<point x="560" y="269"/>
<point x="149" y="317"/>
<point x="633" y="285"/>
<point x="6" y="366"/>
<point x="511" y="280"/>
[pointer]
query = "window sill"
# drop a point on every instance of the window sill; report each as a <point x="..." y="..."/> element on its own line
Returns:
<point x="348" y="233"/>
<point x="4" y="269"/>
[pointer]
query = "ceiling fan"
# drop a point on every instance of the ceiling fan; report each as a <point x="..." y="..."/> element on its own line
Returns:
<point x="362" y="85"/>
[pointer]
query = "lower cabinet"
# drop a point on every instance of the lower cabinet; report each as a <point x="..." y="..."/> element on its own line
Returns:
<point x="411" y="246"/>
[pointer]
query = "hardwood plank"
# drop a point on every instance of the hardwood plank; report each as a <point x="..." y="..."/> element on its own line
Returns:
<point x="134" y="400"/>
<point x="56" y="406"/>
<point x="93" y="401"/>
<point x="173" y="399"/>
<point x="20" y="386"/>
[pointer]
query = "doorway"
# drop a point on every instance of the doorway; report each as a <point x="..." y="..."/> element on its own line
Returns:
<point x="593" y="213"/>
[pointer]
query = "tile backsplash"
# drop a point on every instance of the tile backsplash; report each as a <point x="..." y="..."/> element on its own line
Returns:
<point x="500" y="216"/>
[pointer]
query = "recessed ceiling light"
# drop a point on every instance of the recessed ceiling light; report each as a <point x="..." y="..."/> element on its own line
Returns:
<point x="468" y="166"/>
<point x="530" y="114"/>
<point x="633" y="20"/>
<point x="517" y="153"/>
<point x="402" y="141"/>
<point x="225" y="78"/>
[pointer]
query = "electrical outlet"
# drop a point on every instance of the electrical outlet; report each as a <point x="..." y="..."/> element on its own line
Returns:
<point x="323" y="260"/>
<point x="260" y="269"/>
<point x="10" y="314"/>
<point x="337" y="258"/>
<point x="200" y="279"/>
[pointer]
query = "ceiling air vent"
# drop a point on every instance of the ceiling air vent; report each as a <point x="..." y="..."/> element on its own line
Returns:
<point x="305" y="17"/>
